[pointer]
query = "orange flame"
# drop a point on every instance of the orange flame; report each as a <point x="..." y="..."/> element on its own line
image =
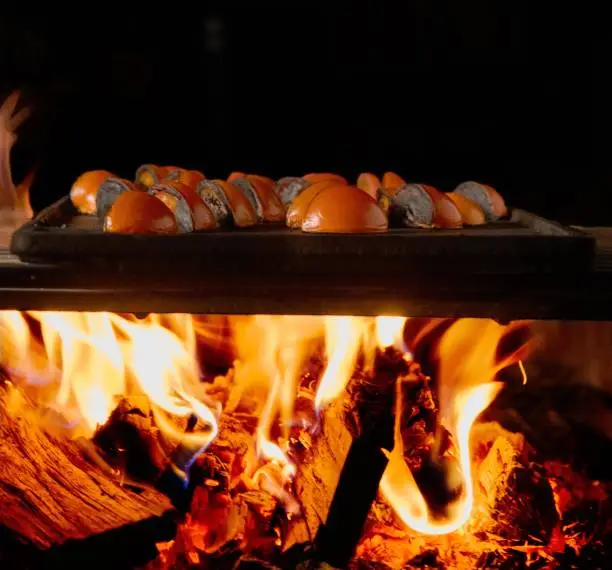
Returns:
<point x="12" y="197"/>
<point x="271" y="350"/>
<point x="467" y="371"/>
<point x="84" y="362"/>
<point x="344" y="337"/>
<point x="79" y="364"/>
<point x="389" y="332"/>
<point x="15" y="206"/>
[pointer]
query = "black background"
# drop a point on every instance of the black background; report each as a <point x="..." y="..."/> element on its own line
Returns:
<point x="438" y="91"/>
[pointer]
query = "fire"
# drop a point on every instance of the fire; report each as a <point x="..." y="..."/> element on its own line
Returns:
<point x="82" y="363"/>
<point x="389" y="332"/>
<point x="270" y="354"/>
<point x="343" y="339"/>
<point x="14" y="199"/>
<point x="468" y="366"/>
<point x="79" y="365"/>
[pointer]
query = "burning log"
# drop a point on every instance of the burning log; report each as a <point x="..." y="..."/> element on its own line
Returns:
<point x="515" y="507"/>
<point x="505" y="504"/>
<point x="513" y="488"/>
<point x="131" y="441"/>
<point x="231" y="523"/>
<point x="318" y="472"/>
<point x="339" y="471"/>
<point x="132" y="444"/>
<point x="57" y="503"/>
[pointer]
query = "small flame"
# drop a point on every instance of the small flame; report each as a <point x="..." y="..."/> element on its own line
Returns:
<point x="389" y="332"/>
<point x="467" y="371"/>
<point x="271" y="351"/>
<point x="15" y="208"/>
<point x="343" y="339"/>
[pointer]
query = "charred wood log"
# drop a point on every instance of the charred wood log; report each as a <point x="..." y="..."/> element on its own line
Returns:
<point x="231" y="524"/>
<point x="133" y="445"/>
<point x="339" y="472"/>
<point x="514" y="489"/>
<point x="573" y="411"/>
<point x="55" y="502"/>
<point x="514" y="507"/>
<point x="131" y="441"/>
<point x="318" y="474"/>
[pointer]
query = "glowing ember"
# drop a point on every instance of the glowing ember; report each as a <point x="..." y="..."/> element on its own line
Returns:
<point x="343" y="338"/>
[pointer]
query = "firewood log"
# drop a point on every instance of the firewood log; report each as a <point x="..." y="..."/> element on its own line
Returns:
<point x="339" y="471"/>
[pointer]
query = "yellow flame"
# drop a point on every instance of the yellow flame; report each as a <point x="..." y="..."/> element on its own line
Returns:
<point x="343" y="339"/>
<point x="80" y="364"/>
<point x="389" y="331"/>
<point x="271" y="350"/>
<point x="466" y="388"/>
<point x="15" y="208"/>
<point x="92" y="359"/>
<point x="14" y="200"/>
<point x="92" y="364"/>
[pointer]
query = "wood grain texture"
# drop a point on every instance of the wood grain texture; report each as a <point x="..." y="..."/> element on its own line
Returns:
<point x="50" y="493"/>
<point x="318" y="474"/>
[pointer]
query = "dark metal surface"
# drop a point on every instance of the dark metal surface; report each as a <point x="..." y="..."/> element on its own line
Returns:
<point x="261" y="285"/>
<point x="417" y="293"/>
<point x="524" y="244"/>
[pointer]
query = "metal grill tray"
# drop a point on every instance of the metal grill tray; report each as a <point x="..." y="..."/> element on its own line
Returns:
<point x="525" y="243"/>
